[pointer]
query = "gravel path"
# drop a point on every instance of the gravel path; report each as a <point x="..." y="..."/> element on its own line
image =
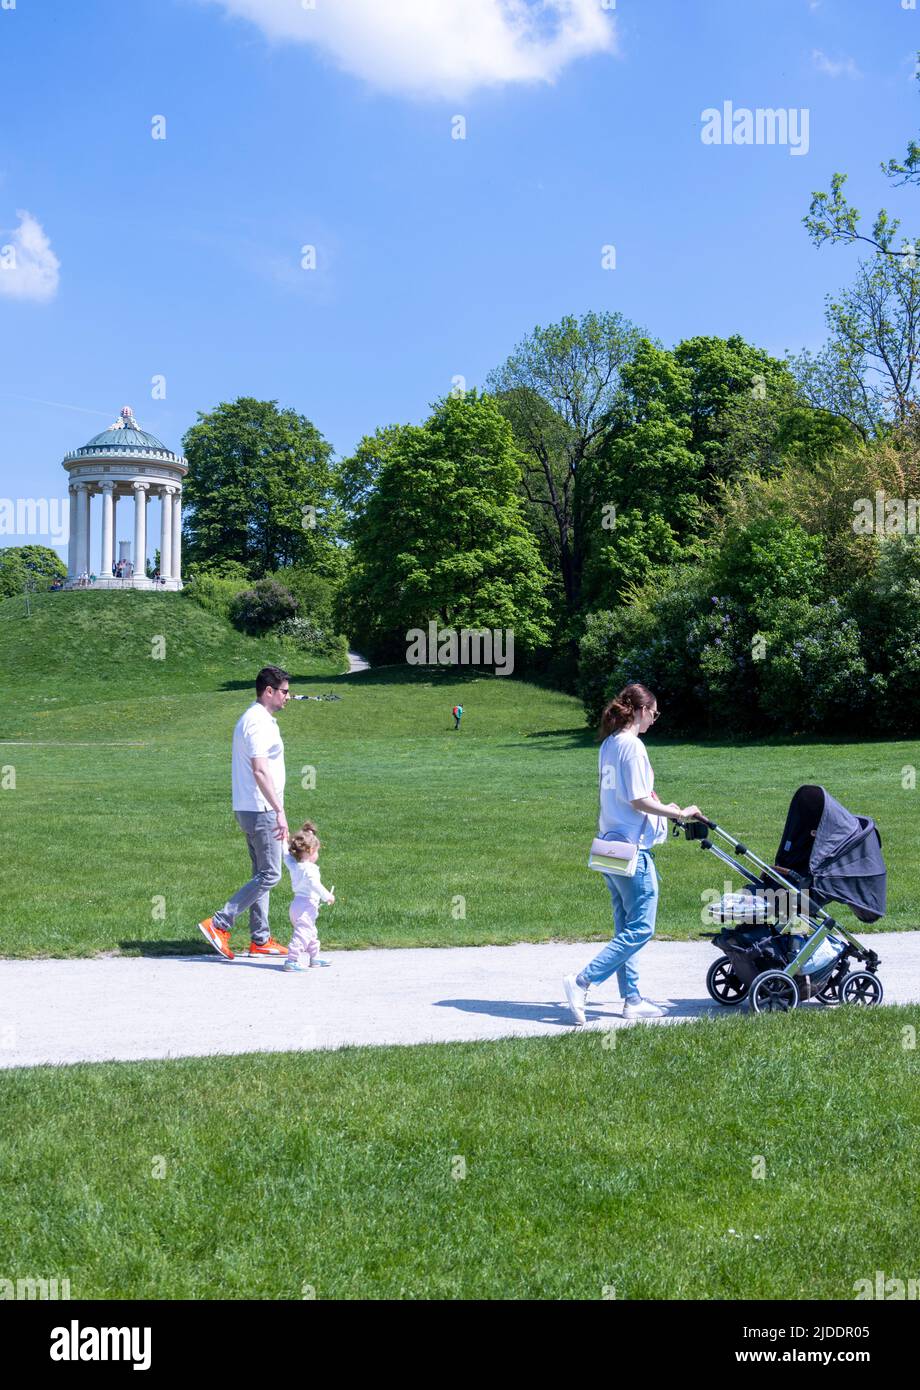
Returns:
<point x="54" y="1011"/>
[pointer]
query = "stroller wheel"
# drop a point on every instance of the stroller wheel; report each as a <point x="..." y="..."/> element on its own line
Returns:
<point x="774" y="992"/>
<point x="723" y="984"/>
<point x="830" y="993"/>
<point x="861" y="987"/>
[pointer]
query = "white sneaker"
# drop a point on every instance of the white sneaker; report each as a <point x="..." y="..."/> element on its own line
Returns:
<point x="644" y="1008"/>
<point x="576" y="997"/>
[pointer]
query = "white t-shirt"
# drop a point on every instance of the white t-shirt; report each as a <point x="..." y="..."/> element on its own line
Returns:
<point x="625" y="775"/>
<point x="256" y="736"/>
<point x="305" y="879"/>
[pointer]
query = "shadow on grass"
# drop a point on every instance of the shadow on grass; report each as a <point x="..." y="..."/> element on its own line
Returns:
<point x="578" y="736"/>
<point x="398" y="674"/>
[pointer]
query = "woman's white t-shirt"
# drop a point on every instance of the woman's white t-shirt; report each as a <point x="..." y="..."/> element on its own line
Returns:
<point x="625" y="775"/>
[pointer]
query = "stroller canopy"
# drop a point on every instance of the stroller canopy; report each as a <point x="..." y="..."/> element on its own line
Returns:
<point x="838" y="854"/>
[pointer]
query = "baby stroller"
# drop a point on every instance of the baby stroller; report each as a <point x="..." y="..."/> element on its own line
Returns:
<point x="780" y="944"/>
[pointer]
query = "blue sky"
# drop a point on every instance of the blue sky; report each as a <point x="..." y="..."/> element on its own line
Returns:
<point x="181" y="257"/>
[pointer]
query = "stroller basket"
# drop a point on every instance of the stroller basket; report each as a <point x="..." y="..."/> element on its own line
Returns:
<point x="754" y="950"/>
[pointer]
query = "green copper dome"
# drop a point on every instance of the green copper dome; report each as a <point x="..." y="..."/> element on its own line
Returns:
<point x="124" y="437"/>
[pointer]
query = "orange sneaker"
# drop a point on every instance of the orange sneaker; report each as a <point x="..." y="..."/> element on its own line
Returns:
<point x="271" y="947"/>
<point x="216" y="937"/>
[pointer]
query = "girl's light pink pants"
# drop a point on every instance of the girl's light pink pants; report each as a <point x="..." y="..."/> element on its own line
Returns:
<point x="303" y="920"/>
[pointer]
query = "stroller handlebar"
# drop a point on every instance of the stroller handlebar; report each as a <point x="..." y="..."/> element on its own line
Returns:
<point x="694" y="827"/>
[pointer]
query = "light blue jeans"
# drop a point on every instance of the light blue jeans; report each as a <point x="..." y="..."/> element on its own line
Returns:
<point x="265" y="852"/>
<point x="635" y="903"/>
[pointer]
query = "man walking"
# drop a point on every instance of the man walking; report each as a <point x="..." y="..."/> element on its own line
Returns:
<point x="258" y="804"/>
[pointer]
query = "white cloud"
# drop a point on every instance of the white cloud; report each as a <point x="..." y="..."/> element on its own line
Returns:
<point x="440" y="48"/>
<point x="28" y="266"/>
<point x="845" y="67"/>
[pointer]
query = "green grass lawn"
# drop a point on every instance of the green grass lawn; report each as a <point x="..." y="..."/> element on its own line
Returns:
<point x="118" y="834"/>
<point x="588" y="1167"/>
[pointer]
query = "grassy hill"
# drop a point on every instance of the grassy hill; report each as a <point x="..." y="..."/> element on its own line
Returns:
<point x="98" y="645"/>
<point x="120" y="828"/>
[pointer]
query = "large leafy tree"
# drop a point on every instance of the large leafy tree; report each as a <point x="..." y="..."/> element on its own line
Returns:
<point x="741" y="399"/>
<point x="356" y="476"/>
<point x="645" y="482"/>
<point x="29" y="566"/>
<point x="560" y="390"/>
<point x="259" y="489"/>
<point x="867" y="371"/>
<point x="442" y="536"/>
<point x="831" y="217"/>
<point x="606" y="418"/>
<point x="649" y="461"/>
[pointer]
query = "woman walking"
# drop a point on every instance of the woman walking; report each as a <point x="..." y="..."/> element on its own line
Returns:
<point x="630" y="810"/>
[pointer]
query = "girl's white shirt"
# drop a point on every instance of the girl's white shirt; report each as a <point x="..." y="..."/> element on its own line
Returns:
<point x="305" y="879"/>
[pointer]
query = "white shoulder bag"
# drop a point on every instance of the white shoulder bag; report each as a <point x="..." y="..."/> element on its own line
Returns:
<point x="613" y="857"/>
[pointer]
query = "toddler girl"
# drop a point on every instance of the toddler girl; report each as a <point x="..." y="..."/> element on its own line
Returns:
<point x="301" y="854"/>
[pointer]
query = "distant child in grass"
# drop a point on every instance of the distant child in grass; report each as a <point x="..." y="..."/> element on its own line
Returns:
<point x="301" y="855"/>
<point x="457" y="712"/>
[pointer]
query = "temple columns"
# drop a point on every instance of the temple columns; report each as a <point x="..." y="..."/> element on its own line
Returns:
<point x="71" y="532"/>
<point x="82" y="549"/>
<point x="176" y="570"/>
<point x="106" y="552"/>
<point x="140" y="529"/>
<point x="166" y="510"/>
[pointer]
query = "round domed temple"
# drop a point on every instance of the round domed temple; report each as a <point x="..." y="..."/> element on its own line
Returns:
<point x="124" y="461"/>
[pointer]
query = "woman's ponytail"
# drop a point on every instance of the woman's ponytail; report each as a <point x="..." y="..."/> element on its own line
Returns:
<point x="624" y="708"/>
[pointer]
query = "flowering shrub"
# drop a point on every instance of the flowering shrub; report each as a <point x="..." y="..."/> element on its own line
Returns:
<point x="770" y="557"/>
<point x="814" y="676"/>
<point x="888" y="605"/>
<point x="263" y="606"/>
<point x="309" y="636"/>
<point x="732" y="661"/>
